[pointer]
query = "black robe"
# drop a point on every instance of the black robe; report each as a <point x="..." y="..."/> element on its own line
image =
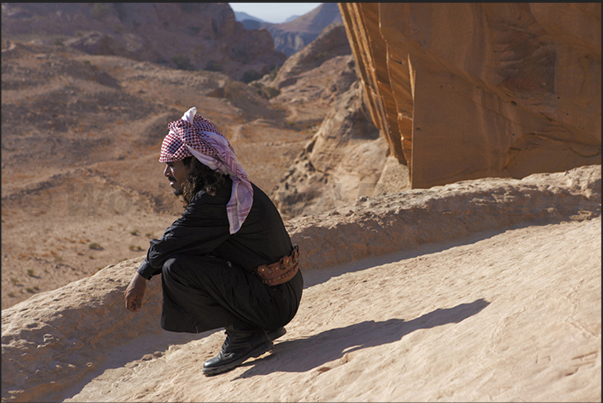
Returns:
<point x="206" y="271"/>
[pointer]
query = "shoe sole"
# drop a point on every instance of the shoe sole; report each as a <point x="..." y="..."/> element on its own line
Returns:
<point x="261" y="349"/>
<point x="276" y="333"/>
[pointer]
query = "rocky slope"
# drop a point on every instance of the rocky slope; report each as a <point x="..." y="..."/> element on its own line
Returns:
<point x="530" y="304"/>
<point x="183" y="35"/>
<point x="344" y="160"/>
<point x="464" y="91"/>
<point x="347" y="157"/>
<point x="331" y="42"/>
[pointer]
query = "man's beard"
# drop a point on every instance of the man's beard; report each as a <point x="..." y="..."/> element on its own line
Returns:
<point x="177" y="192"/>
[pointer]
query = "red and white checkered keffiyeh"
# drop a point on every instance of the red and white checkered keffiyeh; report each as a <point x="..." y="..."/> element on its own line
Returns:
<point x="193" y="135"/>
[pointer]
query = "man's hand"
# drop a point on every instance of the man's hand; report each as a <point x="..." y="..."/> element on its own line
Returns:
<point x="135" y="293"/>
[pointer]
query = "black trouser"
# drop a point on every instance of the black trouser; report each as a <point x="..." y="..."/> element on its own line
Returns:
<point x="204" y="292"/>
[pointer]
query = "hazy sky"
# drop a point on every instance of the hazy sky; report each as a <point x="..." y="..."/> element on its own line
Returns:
<point x="274" y="12"/>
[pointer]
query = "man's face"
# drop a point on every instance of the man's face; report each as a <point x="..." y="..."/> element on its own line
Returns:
<point x="177" y="173"/>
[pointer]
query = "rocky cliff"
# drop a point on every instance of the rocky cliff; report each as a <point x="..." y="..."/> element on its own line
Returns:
<point x="184" y="35"/>
<point x="465" y="91"/>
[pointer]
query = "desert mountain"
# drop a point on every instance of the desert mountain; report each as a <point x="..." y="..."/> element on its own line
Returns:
<point x="185" y="35"/>
<point x="242" y="17"/>
<point x="290" y="37"/>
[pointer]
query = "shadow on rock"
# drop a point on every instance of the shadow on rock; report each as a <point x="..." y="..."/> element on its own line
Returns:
<point x="306" y="354"/>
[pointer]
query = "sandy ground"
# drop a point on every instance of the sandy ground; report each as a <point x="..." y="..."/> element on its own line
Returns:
<point x="511" y="316"/>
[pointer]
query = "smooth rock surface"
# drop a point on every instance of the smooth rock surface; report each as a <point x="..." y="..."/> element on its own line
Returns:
<point x="466" y="91"/>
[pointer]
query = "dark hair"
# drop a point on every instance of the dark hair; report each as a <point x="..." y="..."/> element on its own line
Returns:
<point x="201" y="177"/>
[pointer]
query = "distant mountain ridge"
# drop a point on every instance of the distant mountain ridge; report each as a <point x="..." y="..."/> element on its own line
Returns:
<point x="314" y="21"/>
<point x="289" y="37"/>
<point x="242" y="16"/>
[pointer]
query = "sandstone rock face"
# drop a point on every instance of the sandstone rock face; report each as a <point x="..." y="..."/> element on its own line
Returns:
<point x="206" y="34"/>
<point x="59" y="336"/>
<point x="56" y="338"/>
<point x="464" y="91"/>
<point x="374" y="226"/>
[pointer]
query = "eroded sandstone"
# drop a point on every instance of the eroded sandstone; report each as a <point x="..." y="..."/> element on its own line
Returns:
<point x="465" y="91"/>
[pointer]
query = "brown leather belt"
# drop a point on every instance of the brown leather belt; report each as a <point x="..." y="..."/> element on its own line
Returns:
<point x="281" y="271"/>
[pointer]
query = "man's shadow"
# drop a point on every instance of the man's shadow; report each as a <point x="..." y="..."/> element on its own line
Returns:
<point x="302" y="355"/>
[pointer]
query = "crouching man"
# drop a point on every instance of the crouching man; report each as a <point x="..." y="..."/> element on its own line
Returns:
<point x="228" y="261"/>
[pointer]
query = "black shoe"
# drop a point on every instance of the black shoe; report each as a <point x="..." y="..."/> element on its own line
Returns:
<point x="276" y="333"/>
<point x="237" y="348"/>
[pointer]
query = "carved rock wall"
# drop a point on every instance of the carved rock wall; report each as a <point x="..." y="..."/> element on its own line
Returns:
<point x="464" y="91"/>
